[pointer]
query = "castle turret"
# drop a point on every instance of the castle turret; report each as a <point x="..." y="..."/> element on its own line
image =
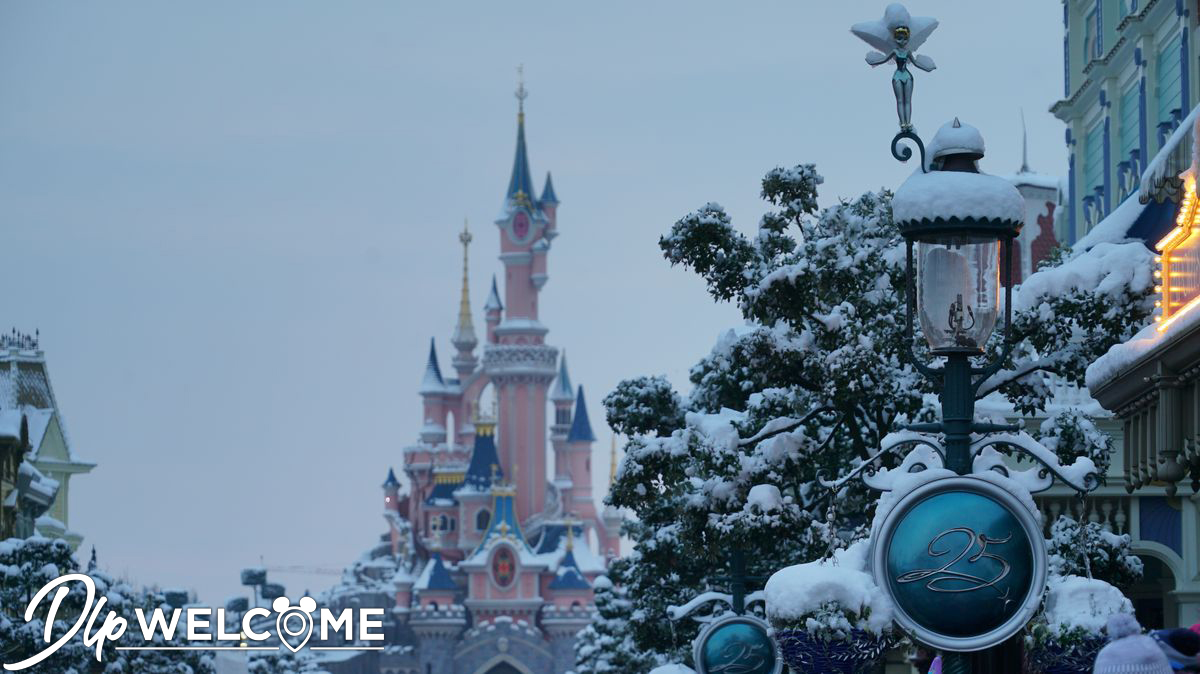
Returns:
<point x="391" y="492"/>
<point x="518" y="362"/>
<point x="492" y="310"/>
<point x="578" y="499"/>
<point x="549" y="204"/>
<point x="433" y="394"/>
<point x="464" y="332"/>
<point x="562" y="395"/>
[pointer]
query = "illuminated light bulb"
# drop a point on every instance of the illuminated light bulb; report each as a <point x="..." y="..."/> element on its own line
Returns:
<point x="1157" y="273"/>
<point x="1158" y="289"/>
<point x="1157" y="319"/>
<point x="1158" y="303"/>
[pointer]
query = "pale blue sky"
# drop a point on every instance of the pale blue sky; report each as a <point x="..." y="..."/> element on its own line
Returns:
<point x="234" y="223"/>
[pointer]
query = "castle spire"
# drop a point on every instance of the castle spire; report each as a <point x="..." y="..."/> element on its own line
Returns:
<point x="562" y="384"/>
<point x="520" y="185"/>
<point x="581" y="428"/>
<point x="464" y="332"/>
<point x="432" y="382"/>
<point x="493" y="300"/>
<point x="1024" y="144"/>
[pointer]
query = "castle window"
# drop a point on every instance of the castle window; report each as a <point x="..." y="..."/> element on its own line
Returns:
<point x="482" y="519"/>
<point x="452" y="522"/>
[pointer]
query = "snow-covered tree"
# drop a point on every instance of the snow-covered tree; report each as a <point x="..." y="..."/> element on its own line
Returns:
<point x="809" y="387"/>
<point x="1092" y="552"/>
<point x="605" y="646"/>
<point x="26" y="565"/>
<point x="284" y="662"/>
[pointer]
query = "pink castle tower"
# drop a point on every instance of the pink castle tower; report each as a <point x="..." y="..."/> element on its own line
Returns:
<point x="496" y="547"/>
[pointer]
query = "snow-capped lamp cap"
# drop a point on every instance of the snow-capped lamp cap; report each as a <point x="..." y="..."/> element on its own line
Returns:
<point x="956" y="138"/>
<point x="953" y="198"/>
<point x="1130" y="651"/>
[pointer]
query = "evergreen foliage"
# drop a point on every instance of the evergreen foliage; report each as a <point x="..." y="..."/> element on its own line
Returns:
<point x="806" y="390"/>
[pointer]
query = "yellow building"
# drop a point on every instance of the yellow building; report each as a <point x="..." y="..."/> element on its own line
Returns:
<point x="25" y="388"/>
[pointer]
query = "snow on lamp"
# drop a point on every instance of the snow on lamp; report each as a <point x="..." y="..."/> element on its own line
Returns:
<point x="961" y="224"/>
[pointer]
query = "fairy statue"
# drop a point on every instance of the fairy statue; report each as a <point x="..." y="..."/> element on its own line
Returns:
<point x="897" y="36"/>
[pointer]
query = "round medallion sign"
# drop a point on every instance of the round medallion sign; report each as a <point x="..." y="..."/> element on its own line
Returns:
<point x="736" y="644"/>
<point x="963" y="562"/>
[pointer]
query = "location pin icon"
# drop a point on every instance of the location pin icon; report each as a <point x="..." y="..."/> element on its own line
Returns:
<point x="294" y="624"/>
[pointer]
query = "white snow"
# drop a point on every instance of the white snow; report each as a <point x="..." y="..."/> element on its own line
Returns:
<point x="1157" y="168"/>
<point x="797" y="591"/>
<point x="765" y="496"/>
<point x="1087" y="603"/>
<point x="673" y="668"/>
<point x="1106" y="268"/>
<point x="1114" y="228"/>
<point x="955" y="138"/>
<point x="1035" y="180"/>
<point x="957" y="194"/>
<point x="1126" y="355"/>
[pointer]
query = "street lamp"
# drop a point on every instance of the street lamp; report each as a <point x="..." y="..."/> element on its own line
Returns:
<point x="958" y="225"/>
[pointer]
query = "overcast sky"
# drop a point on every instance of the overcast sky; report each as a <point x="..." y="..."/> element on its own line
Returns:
<point x="235" y="223"/>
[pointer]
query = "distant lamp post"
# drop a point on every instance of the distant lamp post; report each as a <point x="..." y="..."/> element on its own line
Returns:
<point x="959" y="226"/>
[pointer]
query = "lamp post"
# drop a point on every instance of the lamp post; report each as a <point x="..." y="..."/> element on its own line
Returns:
<point x="958" y="226"/>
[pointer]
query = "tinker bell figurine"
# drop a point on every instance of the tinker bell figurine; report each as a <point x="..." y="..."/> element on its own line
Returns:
<point x="897" y="37"/>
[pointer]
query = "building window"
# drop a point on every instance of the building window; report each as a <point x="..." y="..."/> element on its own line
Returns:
<point x="482" y="519"/>
<point x="1167" y="85"/>
<point x="1093" y="159"/>
<point x="1091" y="37"/>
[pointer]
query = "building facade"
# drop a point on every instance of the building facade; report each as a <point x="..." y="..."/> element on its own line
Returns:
<point x="1130" y="76"/>
<point x="492" y="547"/>
<point x="36" y="470"/>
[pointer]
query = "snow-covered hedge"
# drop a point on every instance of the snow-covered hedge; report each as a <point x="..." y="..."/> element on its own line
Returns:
<point x="1076" y="610"/>
<point x="830" y="597"/>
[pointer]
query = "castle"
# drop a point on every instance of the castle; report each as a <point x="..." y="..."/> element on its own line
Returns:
<point x="491" y="551"/>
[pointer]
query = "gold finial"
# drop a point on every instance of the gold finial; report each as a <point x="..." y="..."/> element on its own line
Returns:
<point x="465" y="326"/>
<point x="570" y="535"/>
<point x="521" y="93"/>
<point x="612" y="469"/>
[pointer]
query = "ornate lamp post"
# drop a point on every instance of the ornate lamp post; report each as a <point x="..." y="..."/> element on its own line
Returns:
<point x="958" y="225"/>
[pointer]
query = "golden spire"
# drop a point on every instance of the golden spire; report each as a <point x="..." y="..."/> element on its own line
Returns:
<point x="464" y="332"/>
<point x="612" y="468"/>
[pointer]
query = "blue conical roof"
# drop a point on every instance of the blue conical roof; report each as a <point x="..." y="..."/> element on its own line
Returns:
<point x="521" y="180"/>
<point x="581" y="428"/>
<point x="493" y="300"/>
<point x="562" y="384"/>
<point x="548" y="195"/>
<point x="439" y="577"/>
<point x="483" y="458"/>
<point x="391" y="480"/>
<point x="569" y="577"/>
<point x="432" y="381"/>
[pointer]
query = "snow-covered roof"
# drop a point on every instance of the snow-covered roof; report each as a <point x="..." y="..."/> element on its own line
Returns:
<point x="493" y="300"/>
<point x="957" y="194"/>
<point x="1148" y="341"/>
<point x="562" y="390"/>
<point x="432" y="381"/>
<point x="1035" y="180"/>
<point x="435" y="576"/>
<point x="568" y="576"/>
<point x="1158" y="167"/>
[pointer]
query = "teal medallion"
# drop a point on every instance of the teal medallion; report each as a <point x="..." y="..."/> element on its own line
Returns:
<point x="963" y="563"/>
<point x="737" y="645"/>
